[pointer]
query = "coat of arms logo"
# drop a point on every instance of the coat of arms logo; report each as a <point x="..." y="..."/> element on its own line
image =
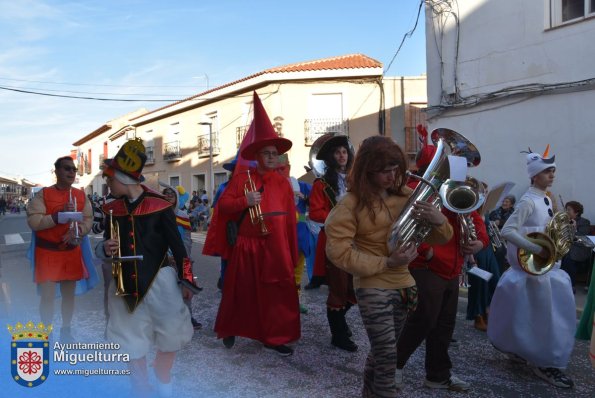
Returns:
<point x="29" y="353"/>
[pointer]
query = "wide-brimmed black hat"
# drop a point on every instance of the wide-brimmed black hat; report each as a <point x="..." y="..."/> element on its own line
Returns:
<point x="330" y="144"/>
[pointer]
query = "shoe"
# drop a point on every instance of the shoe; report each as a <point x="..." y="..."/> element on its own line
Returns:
<point x="164" y="390"/>
<point x="228" y="342"/>
<point x="282" y="350"/>
<point x="452" y="384"/>
<point x="554" y="376"/>
<point x="66" y="335"/>
<point x="454" y="342"/>
<point x="399" y="378"/>
<point x="480" y="324"/>
<point x="303" y="309"/>
<point x="196" y="324"/>
<point x="344" y="343"/>
<point x="311" y="286"/>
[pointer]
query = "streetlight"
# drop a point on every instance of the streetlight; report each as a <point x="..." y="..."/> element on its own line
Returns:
<point x="211" y="178"/>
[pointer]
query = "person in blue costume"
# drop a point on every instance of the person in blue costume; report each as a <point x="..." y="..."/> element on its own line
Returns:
<point x="480" y="293"/>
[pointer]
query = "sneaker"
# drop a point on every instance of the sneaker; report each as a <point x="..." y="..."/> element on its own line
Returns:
<point x="164" y="390"/>
<point x="282" y="350"/>
<point x="66" y="335"/>
<point x="399" y="378"/>
<point x="452" y="384"/>
<point x="554" y="376"/>
<point x="228" y="342"/>
<point x="196" y="324"/>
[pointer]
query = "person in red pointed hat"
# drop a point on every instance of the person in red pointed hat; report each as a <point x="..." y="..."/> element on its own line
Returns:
<point x="259" y="299"/>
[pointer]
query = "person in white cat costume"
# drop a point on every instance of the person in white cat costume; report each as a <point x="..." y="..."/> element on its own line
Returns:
<point x="533" y="318"/>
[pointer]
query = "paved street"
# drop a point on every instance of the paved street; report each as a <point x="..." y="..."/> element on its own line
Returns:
<point x="206" y="369"/>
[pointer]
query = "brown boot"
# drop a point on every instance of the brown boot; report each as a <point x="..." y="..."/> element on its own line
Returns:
<point x="480" y="324"/>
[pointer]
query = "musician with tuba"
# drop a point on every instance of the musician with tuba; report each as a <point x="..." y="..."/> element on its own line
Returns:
<point x="357" y="229"/>
<point x="259" y="299"/>
<point x="58" y="257"/>
<point x="145" y="304"/>
<point x="436" y="271"/>
<point x="533" y="315"/>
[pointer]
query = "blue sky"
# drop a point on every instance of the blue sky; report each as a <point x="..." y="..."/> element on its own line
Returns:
<point x="166" y="49"/>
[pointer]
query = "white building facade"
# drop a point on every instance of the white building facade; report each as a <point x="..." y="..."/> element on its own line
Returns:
<point x="188" y="142"/>
<point x="512" y="74"/>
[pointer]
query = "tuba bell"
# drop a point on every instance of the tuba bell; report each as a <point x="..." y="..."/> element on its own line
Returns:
<point x="406" y="229"/>
<point x="557" y="240"/>
<point x="463" y="197"/>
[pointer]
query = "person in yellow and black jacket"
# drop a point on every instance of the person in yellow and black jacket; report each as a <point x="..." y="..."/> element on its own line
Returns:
<point x="152" y="309"/>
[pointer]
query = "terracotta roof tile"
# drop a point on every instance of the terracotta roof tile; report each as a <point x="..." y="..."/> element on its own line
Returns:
<point x="350" y="61"/>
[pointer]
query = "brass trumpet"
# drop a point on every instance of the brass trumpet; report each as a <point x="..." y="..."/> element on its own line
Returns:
<point x="256" y="216"/>
<point x="116" y="261"/>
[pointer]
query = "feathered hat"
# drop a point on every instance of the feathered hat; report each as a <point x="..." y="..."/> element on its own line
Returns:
<point x="264" y="133"/>
<point x="426" y="153"/>
<point x="536" y="163"/>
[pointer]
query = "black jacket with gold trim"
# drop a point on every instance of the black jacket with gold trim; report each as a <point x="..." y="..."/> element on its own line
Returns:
<point x="147" y="227"/>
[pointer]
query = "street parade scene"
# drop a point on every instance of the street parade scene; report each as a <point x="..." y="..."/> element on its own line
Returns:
<point x="313" y="224"/>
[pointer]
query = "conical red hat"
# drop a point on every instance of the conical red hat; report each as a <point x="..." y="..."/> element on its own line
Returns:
<point x="264" y="133"/>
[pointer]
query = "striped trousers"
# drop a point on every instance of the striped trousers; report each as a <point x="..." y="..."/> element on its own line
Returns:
<point x="383" y="313"/>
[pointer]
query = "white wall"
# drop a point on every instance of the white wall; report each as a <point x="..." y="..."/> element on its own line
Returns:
<point x="507" y="43"/>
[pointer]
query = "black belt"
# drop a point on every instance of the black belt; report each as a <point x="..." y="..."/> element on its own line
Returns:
<point x="46" y="244"/>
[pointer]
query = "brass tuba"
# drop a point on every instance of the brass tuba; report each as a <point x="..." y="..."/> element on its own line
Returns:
<point x="408" y="230"/>
<point x="463" y="197"/>
<point x="557" y="240"/>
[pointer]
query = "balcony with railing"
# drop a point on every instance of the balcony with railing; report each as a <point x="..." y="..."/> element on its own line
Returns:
<point x="150" y="152"/>
<point x="172" y="151"/>
<point x="314" y="128"/>
<point x="240" y="133"/>
<point x="204" y="144"/>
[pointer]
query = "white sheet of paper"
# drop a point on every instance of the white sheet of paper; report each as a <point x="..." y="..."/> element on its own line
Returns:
<point x="458" y="168"/>
<point x="483" y="274"/>
<point x="65" y="217"/>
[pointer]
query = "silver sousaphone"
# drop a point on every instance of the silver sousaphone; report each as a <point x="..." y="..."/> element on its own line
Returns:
<point x="458" y="197"/>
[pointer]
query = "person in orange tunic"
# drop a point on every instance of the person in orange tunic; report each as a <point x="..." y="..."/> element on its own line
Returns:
<point x="58" y="255"/>
<point x="259" y="298"/>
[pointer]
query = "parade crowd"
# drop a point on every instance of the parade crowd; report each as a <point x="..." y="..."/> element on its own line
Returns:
<point x="269" y="230"/>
